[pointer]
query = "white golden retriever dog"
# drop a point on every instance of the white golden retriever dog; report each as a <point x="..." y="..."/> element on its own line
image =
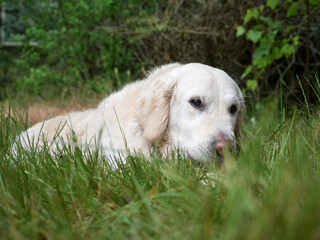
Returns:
<point x="193" y="107"/>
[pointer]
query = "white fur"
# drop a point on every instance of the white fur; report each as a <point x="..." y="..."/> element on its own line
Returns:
<point x="154" y="111"/>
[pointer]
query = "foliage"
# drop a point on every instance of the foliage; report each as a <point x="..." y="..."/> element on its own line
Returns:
<point x="273" y="39"/>
<point x="82" y="42"/>
<point x="98" y="45"/>
<point x="76" y="43"/>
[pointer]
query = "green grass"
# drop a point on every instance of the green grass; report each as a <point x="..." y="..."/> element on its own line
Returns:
<point x="270" y="191"/>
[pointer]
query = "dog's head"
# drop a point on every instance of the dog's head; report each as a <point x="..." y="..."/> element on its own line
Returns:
<point x="194" y="107"/>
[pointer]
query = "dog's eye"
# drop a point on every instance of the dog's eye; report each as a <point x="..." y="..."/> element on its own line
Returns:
<point x="233" y="109"/>
<point x="196" y="102"/>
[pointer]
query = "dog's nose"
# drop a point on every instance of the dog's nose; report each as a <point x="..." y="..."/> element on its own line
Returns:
<point x="221" y="142"/>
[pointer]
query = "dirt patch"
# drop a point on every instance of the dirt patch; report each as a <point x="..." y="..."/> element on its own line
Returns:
<point x="39" y="111"/>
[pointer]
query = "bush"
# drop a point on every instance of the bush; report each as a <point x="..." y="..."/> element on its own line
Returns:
<point x="75" y="44"/>
<point x="85" y="42"/>
<point x="278" y="31"/>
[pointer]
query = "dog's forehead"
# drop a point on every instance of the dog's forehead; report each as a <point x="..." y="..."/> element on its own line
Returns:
<point x="203" y="80"/>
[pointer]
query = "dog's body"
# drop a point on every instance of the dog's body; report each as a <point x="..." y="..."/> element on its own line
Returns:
<point x="194" y="107"/>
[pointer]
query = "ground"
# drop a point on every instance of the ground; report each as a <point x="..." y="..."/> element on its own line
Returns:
<point x="40" y="110"/>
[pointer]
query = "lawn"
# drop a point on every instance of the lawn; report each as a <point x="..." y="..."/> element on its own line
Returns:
<point x="271" y="190"/>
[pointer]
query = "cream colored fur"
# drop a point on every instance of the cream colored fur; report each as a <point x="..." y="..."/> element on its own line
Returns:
<point x="154" y="110"/>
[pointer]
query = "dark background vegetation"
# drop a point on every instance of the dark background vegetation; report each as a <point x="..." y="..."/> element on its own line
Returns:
<point x="270" y="47"/>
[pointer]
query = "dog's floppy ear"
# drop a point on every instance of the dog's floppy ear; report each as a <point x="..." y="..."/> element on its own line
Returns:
<point x="237" y="129"/>
<point x="154" y="106"/>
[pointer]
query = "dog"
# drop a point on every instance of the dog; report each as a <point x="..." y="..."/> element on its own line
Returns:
<point x="192" y="107"/>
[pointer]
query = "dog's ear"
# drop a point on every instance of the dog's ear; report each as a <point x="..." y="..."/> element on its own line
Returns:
<point x="154" y="106"/>
<point x="237" y="129"/>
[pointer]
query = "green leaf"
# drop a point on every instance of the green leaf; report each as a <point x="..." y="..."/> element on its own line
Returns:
<point x="287" y="49"/>
<point x="260" y="52"/>
<point x="295" y="41"/>
<point x="276" y="25"/>
<point x="266" y="43"/>
<point x="276" y="53"/>
<point x="263" y="61"/>
<point x="252" y="84"/>
<point x="289" y="28"/>
<point x="314" y="3"/>
<point x="240" y="30"/>
<point x="254" y="35"/>
<point x="292" y="11"/>
<point x="251" y="13"/>
<point x="267" y="20"/>
<point x="246" y="72"/>
<point x="272" y="3"/>
<point x="261" y="8"/>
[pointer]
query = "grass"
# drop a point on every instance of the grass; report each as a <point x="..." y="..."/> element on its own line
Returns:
<point x="270" y="191"/>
